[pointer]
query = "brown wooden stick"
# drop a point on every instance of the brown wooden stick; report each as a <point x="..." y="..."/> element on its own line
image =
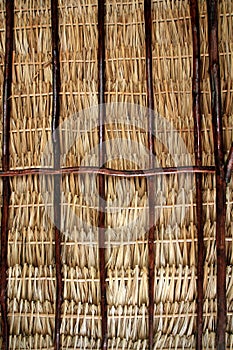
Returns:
<point x="101" y="218"/>
<point x="108" y="171"/>
<point x="151" y="189"/>
<point x="5" y="166"/>
<point x="57" y="177"/>
<point x="194" y="11"/>
<point x="229" y="165"/>
<point x="212" y="10"/>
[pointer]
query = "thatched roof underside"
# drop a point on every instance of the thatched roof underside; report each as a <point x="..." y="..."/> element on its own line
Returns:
<point x="31" y="267"/>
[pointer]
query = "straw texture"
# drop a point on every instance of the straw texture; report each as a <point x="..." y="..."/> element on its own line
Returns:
<point x="31" y="260"/>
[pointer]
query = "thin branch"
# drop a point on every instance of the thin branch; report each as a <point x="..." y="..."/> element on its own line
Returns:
<point x="108" y="171"/>
<point x="194" y="11"/>
<point x="57" y="177"/>
<point x="101" y="219"/>
<point x="151" y="189"/>
<point x="212" y="10"/>
<point x="5" y="166"/>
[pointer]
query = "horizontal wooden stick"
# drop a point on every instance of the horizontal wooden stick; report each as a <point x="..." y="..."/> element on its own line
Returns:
<point x="110" y="172"/>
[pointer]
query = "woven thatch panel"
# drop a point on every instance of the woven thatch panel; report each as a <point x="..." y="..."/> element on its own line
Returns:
<point x="31" y="264"/>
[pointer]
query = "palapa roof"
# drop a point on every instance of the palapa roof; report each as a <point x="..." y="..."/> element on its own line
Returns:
<point x="31" y="270"/>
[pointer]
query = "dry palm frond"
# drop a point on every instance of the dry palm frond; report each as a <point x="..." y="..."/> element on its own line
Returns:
<point x="31" y="270"/>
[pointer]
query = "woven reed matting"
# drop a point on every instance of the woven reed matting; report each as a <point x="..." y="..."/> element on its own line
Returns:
<point x="31" y="271"/>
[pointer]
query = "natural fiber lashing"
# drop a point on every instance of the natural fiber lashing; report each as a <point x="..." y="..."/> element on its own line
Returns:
<point x="123" y="256"/>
